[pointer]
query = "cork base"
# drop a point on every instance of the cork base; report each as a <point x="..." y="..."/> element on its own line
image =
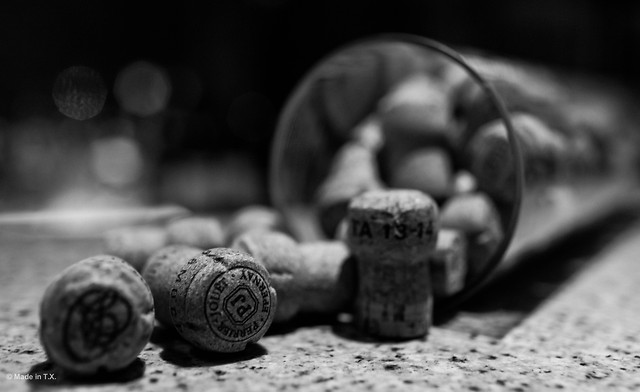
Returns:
<point x="394" y="321"/>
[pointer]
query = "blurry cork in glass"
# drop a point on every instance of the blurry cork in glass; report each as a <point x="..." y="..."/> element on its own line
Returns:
<point x="474" y="215"/>
<point x="449" y="263"/>
<point x="353" y="171"/>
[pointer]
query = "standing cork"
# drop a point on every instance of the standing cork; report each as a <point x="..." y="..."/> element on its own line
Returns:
<point x="221" y="300"/>
<point x="392" y="234"/>
<point x="96" y="316"/>
<point x="160" y="271"/>
<point x="279" y="254"/>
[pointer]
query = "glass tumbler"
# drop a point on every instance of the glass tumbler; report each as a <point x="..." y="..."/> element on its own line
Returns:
<point x="542" y="146"/>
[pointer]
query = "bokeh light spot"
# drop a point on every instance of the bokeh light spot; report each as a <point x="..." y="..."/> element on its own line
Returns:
<point x="142" y="89"/>
<point x="79" y="92"/>
<point x="116" y="161"/>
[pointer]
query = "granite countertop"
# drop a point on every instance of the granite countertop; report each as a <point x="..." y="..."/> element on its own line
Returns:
<point x="585" y="336"/>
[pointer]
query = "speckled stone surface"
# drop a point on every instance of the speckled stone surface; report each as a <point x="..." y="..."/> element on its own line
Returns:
<point x="585" y="337"/>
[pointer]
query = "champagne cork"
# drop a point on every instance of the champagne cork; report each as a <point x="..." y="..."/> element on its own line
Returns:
<point x="353" y="171"/>
<point x="96" y="316"/>
<point x="253" y="217"/>
<point x="159" y="272"/>
<point x="349" y="86"/>
<point x="392" y="234"/>
<point x="279" y="255"/>
<point x="522" y="88"/>
<point x="476" y="216"/>
<point x="425" y="169"/>
<point x="222" y="300"/>
<point x="475" y="108"/>
<point x="369" y="133"/>
<point x="417" y="111"/>
<point x="134" y="244"/>
<point x="328" y="277"/>
<point x="544" y="148"/>
<point x="491" y="160"/>
<point x="199" y="232"/>
<point x="449" y="263"/>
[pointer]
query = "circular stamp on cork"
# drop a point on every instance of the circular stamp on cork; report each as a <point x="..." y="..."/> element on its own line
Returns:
<point x="221" y="300"/>
<point x="238" y="304"/>
<point x="94" y="322"/>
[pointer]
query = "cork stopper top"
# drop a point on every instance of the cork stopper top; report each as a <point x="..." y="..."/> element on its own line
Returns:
<point x="97" y="315"/>
<point x="394" y="202"/>
<point x="221" y="300"/>
<point x="397" y="223"/>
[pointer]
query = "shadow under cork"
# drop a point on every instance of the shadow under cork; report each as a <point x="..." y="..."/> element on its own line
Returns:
<point x="179" y="352"/>
<point x="350" y="331"/>
<point x="302" y="321"/>
<point x="504" y="302"/>
<point x="46" y="374"/>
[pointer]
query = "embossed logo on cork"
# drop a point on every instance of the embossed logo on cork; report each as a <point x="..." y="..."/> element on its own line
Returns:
<point x="98" y="317"/>
<point x="236" y="312"/>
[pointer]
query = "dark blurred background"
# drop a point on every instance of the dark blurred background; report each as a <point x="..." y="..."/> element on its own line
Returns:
<point x="214" y="76"/>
